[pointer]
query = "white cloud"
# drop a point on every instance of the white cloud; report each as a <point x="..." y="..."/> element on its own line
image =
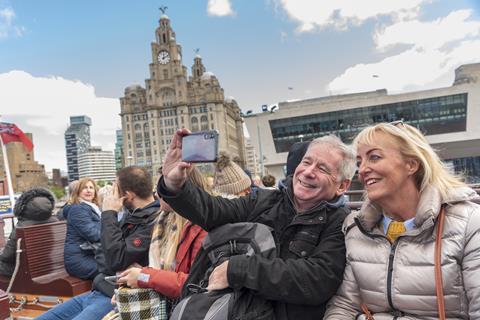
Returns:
<point x="412" y="69"/>
<point x="340" y="14"/>
<point x="429" y="35"/>
<point x="435" y="49"/>
<point x="43" y="106"/>
<point x="7" y="26"/>
<point x="219" y="8"/>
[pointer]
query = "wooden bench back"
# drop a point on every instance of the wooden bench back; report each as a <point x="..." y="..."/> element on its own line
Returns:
<point x="42" y="268"/>
<point x="44" y="246"/>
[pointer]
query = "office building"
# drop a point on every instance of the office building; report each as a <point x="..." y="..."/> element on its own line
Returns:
<point x="77" y="140"/>
<point x="448" y="116"/>
<point x="97" y="164"/>
<point x="119" y="158"/>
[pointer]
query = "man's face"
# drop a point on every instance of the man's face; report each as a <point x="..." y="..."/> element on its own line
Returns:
<point x="316" y="177"/>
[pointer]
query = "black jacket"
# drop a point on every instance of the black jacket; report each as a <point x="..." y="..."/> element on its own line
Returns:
<point x="123" y="243"/>
<point x="311" y="245"/>
<point x="34" y="206"/>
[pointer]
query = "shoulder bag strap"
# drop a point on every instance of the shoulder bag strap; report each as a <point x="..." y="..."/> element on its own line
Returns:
<point x="438" y="265"/>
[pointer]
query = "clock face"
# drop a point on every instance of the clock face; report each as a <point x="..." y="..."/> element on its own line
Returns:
<point x="163" y="57"/>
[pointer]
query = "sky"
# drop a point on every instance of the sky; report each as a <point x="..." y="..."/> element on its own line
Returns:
<point x="63" y="58"/>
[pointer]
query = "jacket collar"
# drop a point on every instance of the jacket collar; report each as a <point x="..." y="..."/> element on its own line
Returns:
<point x="148" y="211"/>
<point x="427" y="210"/>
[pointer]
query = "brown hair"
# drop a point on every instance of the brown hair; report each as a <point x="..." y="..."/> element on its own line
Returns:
<point x="75" y="198"/>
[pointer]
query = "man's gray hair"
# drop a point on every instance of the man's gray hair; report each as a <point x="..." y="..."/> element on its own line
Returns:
<point x="348" y="166"/>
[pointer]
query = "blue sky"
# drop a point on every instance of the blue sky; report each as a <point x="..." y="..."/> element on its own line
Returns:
<point x="62" y="58"/>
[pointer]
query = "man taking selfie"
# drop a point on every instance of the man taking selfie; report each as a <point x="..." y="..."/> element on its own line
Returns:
<point x="306" y="217"/>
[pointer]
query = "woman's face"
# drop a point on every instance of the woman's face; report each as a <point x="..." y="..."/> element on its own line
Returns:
<point x="88" y="192"/>
<point x="384" y="172"/>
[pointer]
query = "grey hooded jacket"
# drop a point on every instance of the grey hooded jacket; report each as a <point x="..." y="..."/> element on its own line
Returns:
<point x="397" y="281"/>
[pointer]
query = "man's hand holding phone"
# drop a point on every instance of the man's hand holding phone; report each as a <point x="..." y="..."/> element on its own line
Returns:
<point x="174" y="170"/>
<point x="112" y="200"/>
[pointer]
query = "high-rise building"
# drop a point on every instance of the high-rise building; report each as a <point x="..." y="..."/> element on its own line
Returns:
<point x="252" y="158"/>
<point x="97" y="164"/>
<point x="77" y="140"/>
<point x="119" y="162"/>
<point x="170" y="100"/>
<point x="448" y="117"/>
<point x="24" y="170"/>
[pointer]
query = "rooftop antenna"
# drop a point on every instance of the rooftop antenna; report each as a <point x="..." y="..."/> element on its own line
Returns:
<point x="197" y="50"/>
<point x="163" y="9"/>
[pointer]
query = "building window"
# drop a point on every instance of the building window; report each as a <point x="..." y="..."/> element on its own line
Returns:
<point x="436" y="115"/>
<point x="204" y="122"/>
<point x="194" y="122"/>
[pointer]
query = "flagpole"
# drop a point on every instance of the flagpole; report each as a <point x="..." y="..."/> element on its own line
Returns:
<point x="7" y="171"/>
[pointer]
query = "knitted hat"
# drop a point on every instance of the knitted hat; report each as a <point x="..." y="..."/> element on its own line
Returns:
<point x="229" y="177"/>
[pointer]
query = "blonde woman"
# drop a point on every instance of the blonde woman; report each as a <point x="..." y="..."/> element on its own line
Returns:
<point x="391" y="241"/>
<point x="175" y="243"/>
<point x="83" y="229"/>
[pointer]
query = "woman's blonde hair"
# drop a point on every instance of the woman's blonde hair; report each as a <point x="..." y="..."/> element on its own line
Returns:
<point x="168" y="229"/>
<point x="411" y="143"/>
<point x="75" y="197"/>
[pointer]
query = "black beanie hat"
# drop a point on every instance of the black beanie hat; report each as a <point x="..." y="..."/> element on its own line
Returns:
<point x="295" y="156"/>
<point x="35" y="204"/>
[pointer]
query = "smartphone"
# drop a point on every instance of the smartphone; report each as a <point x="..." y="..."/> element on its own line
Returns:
<point x="200" y="146"/>
<point x="112" y="278"/>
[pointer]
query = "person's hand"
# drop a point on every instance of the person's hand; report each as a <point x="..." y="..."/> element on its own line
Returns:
<point x="218" y="278"/>
<point x="112" y="200"/>
<point x="174" y="170"/>
<point x="113" y="301"/>
<point x="130" y="277"/>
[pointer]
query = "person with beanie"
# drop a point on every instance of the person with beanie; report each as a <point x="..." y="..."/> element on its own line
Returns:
<point x="229" y="178"/>
<point x="294" y="157"/>
<point x="34" y="206"/>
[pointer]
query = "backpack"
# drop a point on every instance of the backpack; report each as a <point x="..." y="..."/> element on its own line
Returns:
<point x="220" y="244"/>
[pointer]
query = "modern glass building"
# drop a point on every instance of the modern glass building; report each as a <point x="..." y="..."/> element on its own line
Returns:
<point x="77" y="141"/>
<point x="119" y="149"/>
<point x="446" y="116"/>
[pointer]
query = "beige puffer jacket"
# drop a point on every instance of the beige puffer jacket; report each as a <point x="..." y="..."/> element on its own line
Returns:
<point x="397" y="281"/>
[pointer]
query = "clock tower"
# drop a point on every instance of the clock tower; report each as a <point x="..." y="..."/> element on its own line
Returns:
<point x="172" y="100"/>
<point x="167" y="85"/>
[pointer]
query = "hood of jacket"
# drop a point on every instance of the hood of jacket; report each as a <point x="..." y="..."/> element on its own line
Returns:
<point x="35" y="204"/>
<point x="428" y="207"/>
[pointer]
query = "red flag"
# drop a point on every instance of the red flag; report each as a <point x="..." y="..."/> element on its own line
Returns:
<point x="11" y="133"/>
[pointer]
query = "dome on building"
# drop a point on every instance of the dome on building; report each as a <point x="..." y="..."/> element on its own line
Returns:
<point x="207" y="75"/>
<point x="164" y="16"/>
<point x="133" y="87"/>
<point x="230" y="99"/>
<point x="198" y="56"/>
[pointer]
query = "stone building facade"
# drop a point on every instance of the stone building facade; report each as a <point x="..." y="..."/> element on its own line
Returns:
<point x="24" y="170"/>
<point x="172" y="99"/>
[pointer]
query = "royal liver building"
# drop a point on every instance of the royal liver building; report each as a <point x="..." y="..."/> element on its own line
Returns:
<point x="172" y="99"/>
